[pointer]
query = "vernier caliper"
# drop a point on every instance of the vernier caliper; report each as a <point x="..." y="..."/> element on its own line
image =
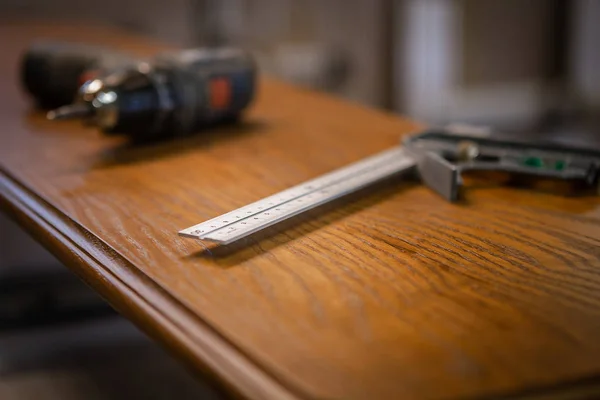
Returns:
<point x="438" y="156"/>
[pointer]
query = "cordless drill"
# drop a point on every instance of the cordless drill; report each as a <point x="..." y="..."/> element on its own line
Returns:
<point x="173" y="94"/>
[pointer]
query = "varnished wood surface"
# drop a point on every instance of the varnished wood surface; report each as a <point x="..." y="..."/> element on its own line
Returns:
<point x="395" y="294"/>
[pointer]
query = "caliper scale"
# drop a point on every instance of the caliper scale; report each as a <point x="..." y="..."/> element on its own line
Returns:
<point x="438" y="156"/>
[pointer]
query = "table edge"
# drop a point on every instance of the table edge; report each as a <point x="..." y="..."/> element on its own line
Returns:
<point x="165" y="319"/>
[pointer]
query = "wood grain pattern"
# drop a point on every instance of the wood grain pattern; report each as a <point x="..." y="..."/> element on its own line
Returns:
<point x="393" y="294"/>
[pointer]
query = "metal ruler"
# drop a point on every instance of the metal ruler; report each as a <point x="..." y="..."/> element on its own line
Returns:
<point x="254" y="217"/>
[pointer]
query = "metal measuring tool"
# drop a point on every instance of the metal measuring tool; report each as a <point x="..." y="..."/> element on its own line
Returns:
<point x="438" y="156"/>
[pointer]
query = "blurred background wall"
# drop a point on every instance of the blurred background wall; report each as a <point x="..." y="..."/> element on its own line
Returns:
<point x="502" y="62"/>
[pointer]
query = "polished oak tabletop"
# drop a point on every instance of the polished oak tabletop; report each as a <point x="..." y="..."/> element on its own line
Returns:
<point x="393" y="293"/>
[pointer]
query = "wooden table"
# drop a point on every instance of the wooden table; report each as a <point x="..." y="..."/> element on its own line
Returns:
<point x="395" y="294"/>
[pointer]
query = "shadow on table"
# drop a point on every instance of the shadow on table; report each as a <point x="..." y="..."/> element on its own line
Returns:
<point x="226" y="256"/>
<point x="141" y="151"/>
<point x="119" y="149"/>
<point x="301" y="225"/>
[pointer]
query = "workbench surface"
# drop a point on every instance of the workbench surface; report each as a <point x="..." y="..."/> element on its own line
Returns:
<point x="392" y="294"/>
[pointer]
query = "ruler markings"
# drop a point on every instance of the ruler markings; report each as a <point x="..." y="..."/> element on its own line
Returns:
<point x="290" y="194"/>
<point x="290" y="209"/>
<point x="246" y="220"/>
